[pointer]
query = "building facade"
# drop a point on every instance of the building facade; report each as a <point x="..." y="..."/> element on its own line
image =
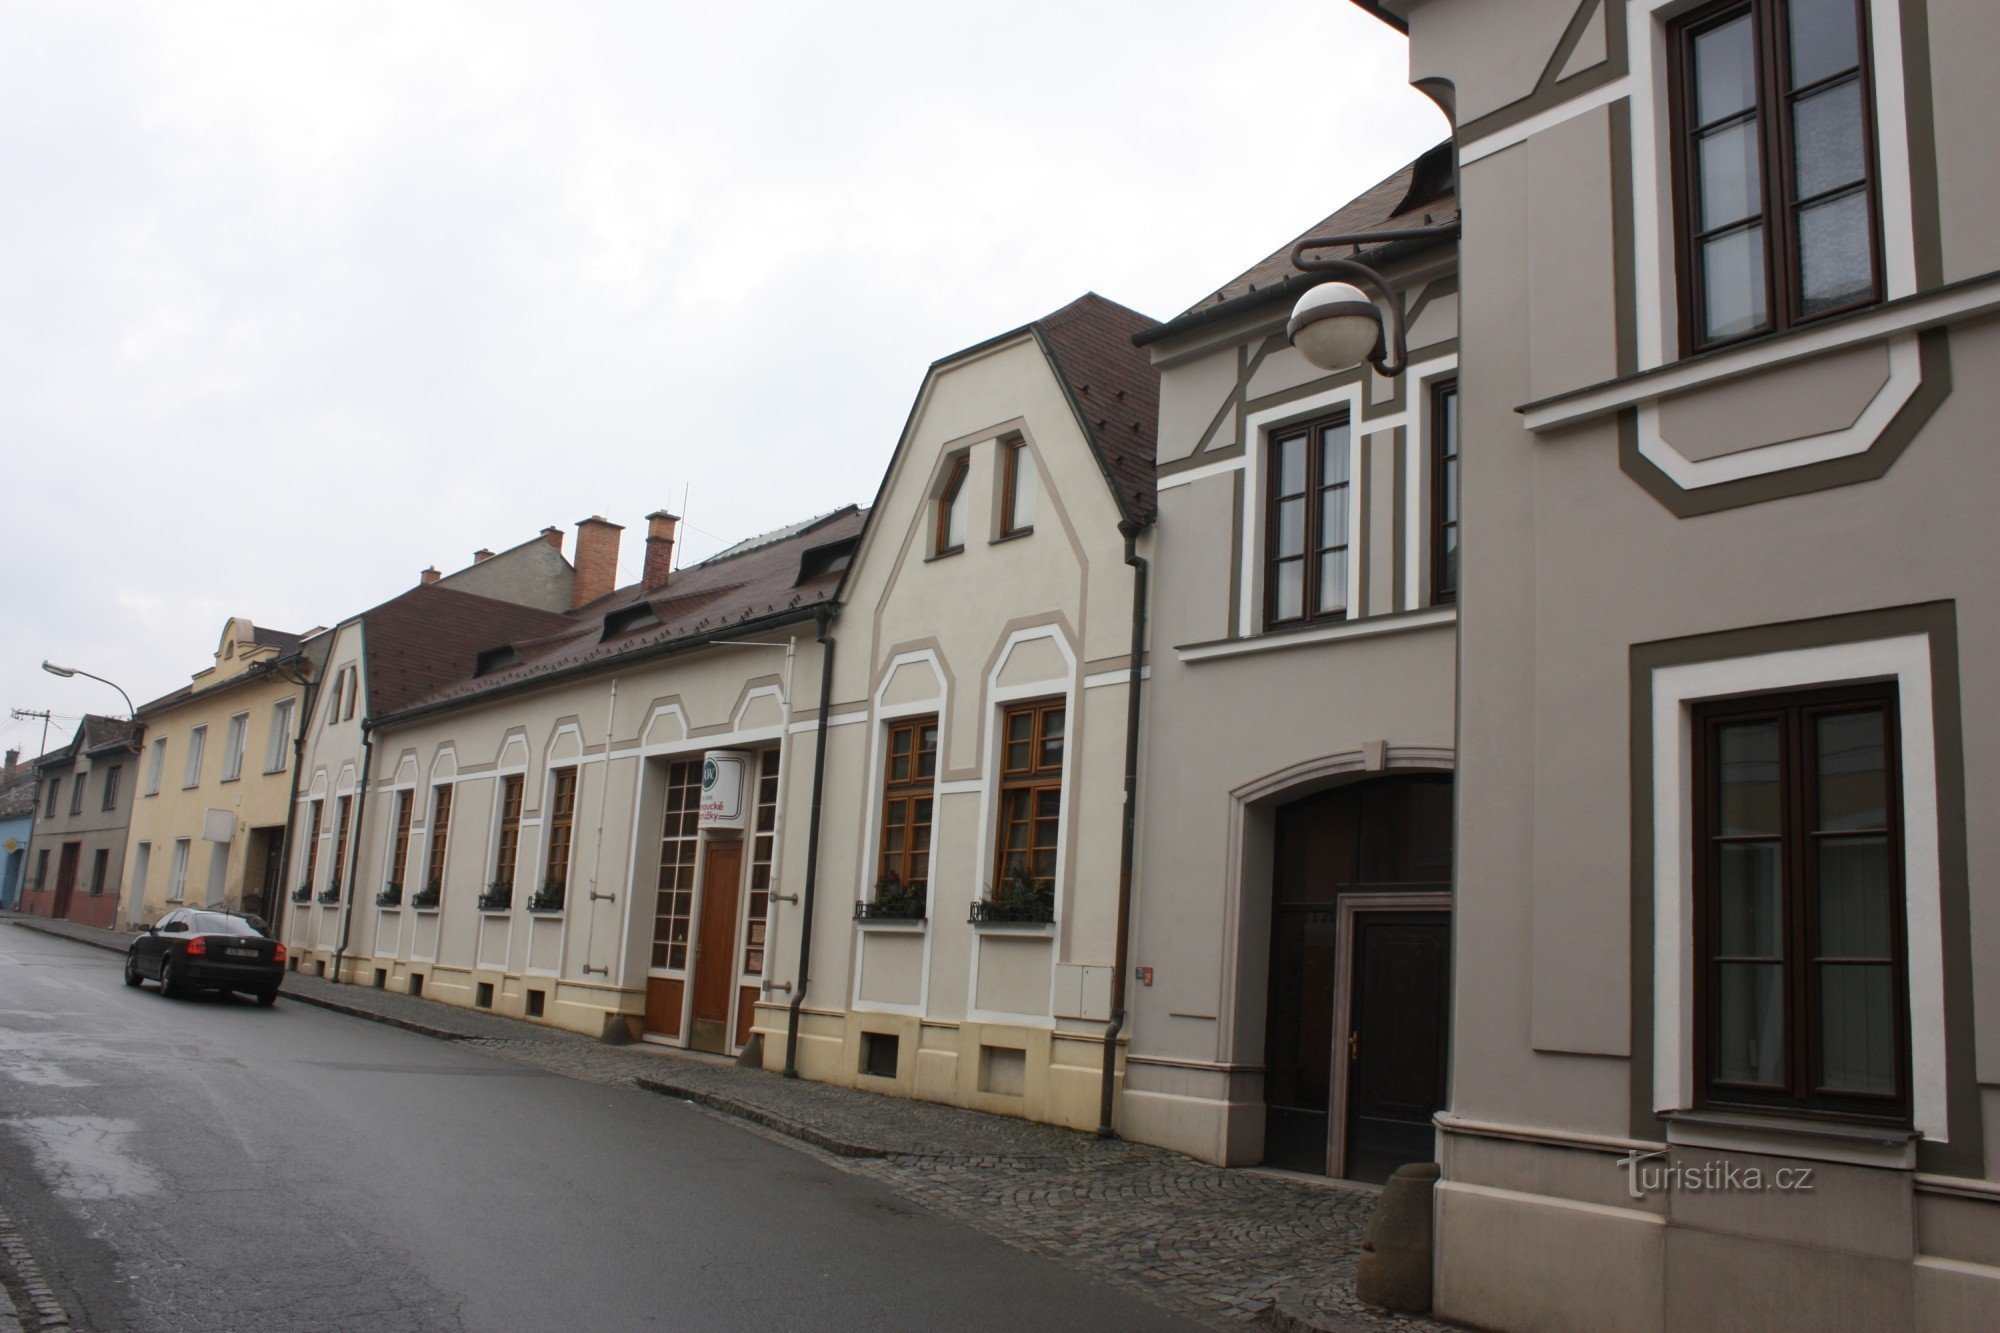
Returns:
<point x="585" y="820"/>
<point x="1292" y="929"/>
<point x="1726" y="1025"/>
<point x="214" y="780"/>
<point x="968" y="870"/>
<point x="83" y="810"/>
<point x="17" y="823"/>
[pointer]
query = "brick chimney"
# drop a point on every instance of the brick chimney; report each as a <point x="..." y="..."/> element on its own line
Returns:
<point x="553" y="536"/>
<point x="481" y="556"/>
<point x="431" y="575"/>
<point x="660" y="529"/>
<point x="13" y="762"/>
<point x="596" y="559"/>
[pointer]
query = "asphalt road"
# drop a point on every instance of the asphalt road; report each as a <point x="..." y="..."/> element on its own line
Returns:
<point x="206" y="1164"/>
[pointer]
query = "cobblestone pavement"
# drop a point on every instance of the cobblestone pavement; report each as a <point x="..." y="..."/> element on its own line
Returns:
<point x="1235" y="1245"/>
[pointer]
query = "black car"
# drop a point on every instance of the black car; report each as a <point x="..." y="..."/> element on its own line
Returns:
<point x="195" y="949"/>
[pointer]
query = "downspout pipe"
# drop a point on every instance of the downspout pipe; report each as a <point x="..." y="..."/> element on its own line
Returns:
<point x="825" y="641"/>
<point x="1127" y="837"/>
<point x="284" y="888"/>
<point x="354" y="852"/>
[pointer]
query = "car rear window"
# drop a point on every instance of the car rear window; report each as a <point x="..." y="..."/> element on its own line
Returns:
<point x="215" y="923"/>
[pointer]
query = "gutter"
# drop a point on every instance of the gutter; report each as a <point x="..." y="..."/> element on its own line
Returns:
<point x="825" y="641"/>
<point x="618" y="661"/>
<point x="354" y="853"/>
<point x="1128" y="835"/>
<point x="1287" y="289"/>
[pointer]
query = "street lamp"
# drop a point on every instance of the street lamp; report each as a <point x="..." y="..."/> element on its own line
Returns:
<point x="1338" y="325"/>
<point x="67" y="672"/>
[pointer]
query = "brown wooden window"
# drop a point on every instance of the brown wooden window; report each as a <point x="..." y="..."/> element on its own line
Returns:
<point x="1031" y="759"/>
<point x="1306" y="536"/>
<point x="49" y="806"/>
<point x="1774" y="160"/>
<point x="909" y="790"/>
<point x="951" y="509"/>
<point x="508" y="849"/>
<point x="440" y="840"/>
<point x="680" y="838"/>
<point x="342" y="810"/>
<point x="1444" y="492"/>
<point x="1018" y="485"/>
<point x="763" y="847"/>
<point x="399" y="848"/>
<point x="1801" y="992"/>
<point x="562" y="825"/>
<point x="76" y="793"/>
<point x="315" y="822"/>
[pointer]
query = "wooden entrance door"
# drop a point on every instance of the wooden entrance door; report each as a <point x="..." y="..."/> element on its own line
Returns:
<point x="72" y="855"/>
<point x="715" y="946"/>
<point x="1396" y="1039"/>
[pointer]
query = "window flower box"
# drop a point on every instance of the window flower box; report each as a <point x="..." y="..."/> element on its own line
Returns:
<point x="427" y="896"/>
<point x="1021" y="898"/>
<point x="499" y="896"/>
<point x="303" y="893"/>
<point x="548" y="898"/>
<point x="391" y="895"/>
<point x="331" y="894"/>
<point x="894" y="900"/>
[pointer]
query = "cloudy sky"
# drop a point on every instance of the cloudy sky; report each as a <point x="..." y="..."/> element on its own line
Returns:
<point x="296" y="299"/>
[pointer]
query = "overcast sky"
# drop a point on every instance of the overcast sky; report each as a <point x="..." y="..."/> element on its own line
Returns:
<point x="296" y="299"/>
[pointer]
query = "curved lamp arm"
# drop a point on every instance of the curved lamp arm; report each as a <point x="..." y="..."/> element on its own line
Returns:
<point x="1391" y="356"/>
<point x="53" y="670"/>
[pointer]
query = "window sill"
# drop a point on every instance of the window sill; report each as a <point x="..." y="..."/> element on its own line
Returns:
<point x="944" y="555"/>
<point x="1040" y="930"/>
<point x="1013" y="536"/>
<point x="895" y="925"/>
<point x="1853" y="1142"/>
<point x="1949" y="304"/>
<point x="496" y="911"/>
<point x="427" y="911"/>
<point x="237" y="778"/>
<point x="1326" y="632"/>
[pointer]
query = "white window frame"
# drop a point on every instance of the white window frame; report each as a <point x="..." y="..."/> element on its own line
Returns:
<point x="142" y="865"/>
<point x="177" y="877"/>
<point x="278" y="749"/>
<point x="156" y="764"/>
<point x="191" y="771"/>
<point x="1907" y="661"/>
<point x="237" y="742"/>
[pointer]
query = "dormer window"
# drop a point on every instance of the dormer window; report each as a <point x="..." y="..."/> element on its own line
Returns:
<point x="951" y="505"/>
<point x="495" y="659"/>
<point x="628" y="620"/>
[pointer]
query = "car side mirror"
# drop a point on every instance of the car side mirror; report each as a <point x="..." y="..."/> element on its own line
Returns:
<point x="152" y="930"/>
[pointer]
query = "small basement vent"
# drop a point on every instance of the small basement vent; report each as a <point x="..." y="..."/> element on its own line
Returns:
<point x="537" y="1001"/>
<point x="1003" y="1070"/>
<point x="878" y="1054"/>
<point x="484" y="995"/>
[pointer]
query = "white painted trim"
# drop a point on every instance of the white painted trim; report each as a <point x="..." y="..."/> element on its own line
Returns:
<point x="1486" y="145"/>
<point x="1906" y="660"/>
<point x="1121" y="676"/>
<point x="1203" y="473"/>
<point x="837" y="720"/>
<point x="1367" y="627"/>
<point x="1906" y="376"/>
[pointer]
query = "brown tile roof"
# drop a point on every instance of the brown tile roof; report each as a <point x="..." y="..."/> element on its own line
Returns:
<point x="1114" y="388"/>
<point x="429" y="636"/>
<point x="754" y="583"/>
<point x="95" y="734"/>
<point x="17" y="793"/>
<point x="1381" y="207"/>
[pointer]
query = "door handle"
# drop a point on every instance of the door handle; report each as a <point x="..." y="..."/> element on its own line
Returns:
<point x="1354" y="1046"/>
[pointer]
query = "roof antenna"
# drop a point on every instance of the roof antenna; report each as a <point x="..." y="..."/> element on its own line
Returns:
<point x="680" y="547"/>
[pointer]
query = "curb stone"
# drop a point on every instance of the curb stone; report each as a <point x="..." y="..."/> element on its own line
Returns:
<point x="769" y="1119"/>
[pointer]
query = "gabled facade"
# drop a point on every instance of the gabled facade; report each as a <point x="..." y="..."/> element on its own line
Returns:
<point x="83" y="809"/>
<point x="1293" y="922"/>
<point x="213" y="783"/>
<point x="584" y="822"/>
<point x="1726" y="1026"/>
<point x="968" y="870"/>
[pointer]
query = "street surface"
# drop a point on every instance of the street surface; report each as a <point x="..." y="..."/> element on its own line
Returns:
<point x="206" y="1164"/>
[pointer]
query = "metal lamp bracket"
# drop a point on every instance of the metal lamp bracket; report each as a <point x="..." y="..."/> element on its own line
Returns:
<point x="1392" y="353"/>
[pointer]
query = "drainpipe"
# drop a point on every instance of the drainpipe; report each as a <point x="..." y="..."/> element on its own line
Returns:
<point x="284" y="898"/>
<point x="825" y="641"/>
<point x="1127" y="835"/>
<point x="354" y="853"/>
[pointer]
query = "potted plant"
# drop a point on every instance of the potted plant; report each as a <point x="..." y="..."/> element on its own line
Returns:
<point x="303" y="893"/>
<point x="894" y="900"/>
<point x="499" y="896"/>
<point x="332" y="894"/>
<point x="391" y="895"/>
<point x="427" y="896"/>
<point x="548" y="898"/>
<point x="1020" y="897"/>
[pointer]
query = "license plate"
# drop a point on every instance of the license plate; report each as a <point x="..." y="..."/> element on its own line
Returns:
<point x="241" y="953"/>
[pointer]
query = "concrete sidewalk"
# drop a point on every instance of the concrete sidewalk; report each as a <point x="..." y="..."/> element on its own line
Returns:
<point x="1235" y="1245"/>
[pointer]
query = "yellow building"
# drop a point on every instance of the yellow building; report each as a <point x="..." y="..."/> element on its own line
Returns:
<point x="215" y="778"/>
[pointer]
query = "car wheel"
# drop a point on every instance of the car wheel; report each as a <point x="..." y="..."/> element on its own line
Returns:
<point x="132" y="977"/>
<point x="170" y="981"/>
<point x="267" y="998"/>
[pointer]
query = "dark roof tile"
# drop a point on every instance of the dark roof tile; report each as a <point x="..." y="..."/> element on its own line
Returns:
<point x="1115" y="389"/>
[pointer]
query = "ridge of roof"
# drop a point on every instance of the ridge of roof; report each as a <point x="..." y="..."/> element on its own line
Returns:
<point x="1379" y="208"/>
<point x="1114" y="390"/>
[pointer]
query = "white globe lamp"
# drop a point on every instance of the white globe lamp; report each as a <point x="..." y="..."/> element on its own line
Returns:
<point x="1336" y="327"/>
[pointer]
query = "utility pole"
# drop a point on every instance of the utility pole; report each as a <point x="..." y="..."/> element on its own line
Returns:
<point x="20" y="713"/>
